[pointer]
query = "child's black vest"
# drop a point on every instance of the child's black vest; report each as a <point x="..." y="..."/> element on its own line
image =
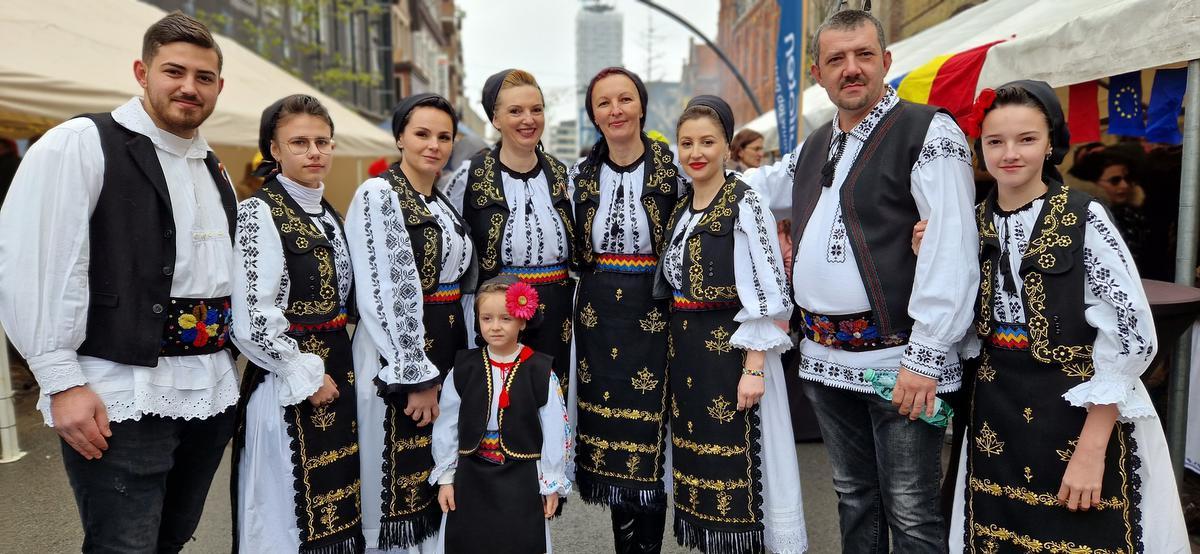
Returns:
<point x="520" y="428"/>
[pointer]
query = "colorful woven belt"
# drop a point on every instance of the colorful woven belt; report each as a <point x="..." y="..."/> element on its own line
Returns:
<point x="1009" y="336"/>
<point x="626" y="263"/>
<point x="196" y="326"/>
<point x="337" y="323"/>
<point x="537" y="275"/>
<point x="683" y="303"/>
<point x="489" y="448"/>
<point x="851" y="332"/>
<point x="445" y="294"/>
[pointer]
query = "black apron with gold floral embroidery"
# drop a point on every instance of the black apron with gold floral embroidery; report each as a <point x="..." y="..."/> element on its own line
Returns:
<point x="324" y="440"/>
<point x="621" y="350"/>
<point x="1022" y="432"/>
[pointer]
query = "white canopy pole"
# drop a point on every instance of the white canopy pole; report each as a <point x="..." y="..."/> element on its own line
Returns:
<point x="10" y="448"/>
<point x="1185" y="268"/>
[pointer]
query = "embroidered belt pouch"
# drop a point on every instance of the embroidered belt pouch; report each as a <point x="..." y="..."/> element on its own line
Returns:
<point x="196" y="326"/>
<point x="851" y="332"/>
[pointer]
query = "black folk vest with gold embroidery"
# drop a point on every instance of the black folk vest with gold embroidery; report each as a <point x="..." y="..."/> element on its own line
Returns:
<point x="1052" y="274"/>
<point x="423" y="230"/>
<point x="486" y="209"/>
<point x="660" y="186"/>
<point x="519" y="425"/>
<point x="708" y="258"/>
<point x="313" y="296"/>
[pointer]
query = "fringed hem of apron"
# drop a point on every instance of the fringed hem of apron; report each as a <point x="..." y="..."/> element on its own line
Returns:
<point x="634" y="500"/>
<point x="405" y="533"/>
<point x="350" y="545"/>
<point x="710" y="541"/>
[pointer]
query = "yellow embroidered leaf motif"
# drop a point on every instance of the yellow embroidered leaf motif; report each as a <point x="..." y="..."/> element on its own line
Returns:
<point x="1028" y="414"/>
<point x="313" y="345"/>
<point x="645" y="381"/>
<point x="723" y="500"/>
<point x="720" y="342"/>
<point x="587" y="316"/>
<point x="1065" y="455"/>
<point x="988" y="442"/>
<point x="654" y="322"/>
<point x="721" y="410"/>
<point x="1082" y="370"/>
<point x="584" y="371"/>
<point x="322" y="418"/>
<point x="598" y="458"/>
<point x="633" y="463"/>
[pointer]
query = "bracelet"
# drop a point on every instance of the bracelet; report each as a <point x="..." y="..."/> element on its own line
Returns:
<point x="753" y="372"/>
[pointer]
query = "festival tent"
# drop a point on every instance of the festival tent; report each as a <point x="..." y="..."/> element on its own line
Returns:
<point x="64" y="57"/>
<point x="1061" y="42"/>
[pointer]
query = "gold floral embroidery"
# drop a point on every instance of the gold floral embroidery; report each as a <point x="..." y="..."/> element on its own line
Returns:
<point x="707" y="449"/>
<point x="619" y="294"/>
<point x="988" y="442"/>
<point x="338" y="494"/>
<point x="1065" y="454"/>
<point x="451" y="320"/>
<point x="583" y="371"/>
<point x="322" y="418"/>
<point x="633" y="463"/>
<point x="1039" y="327"/>
<point x="587" y="316"/>
<point x="654" y="322"/>
<point x="690" y="429"/>
<point x="429" y="345"/>
<point x="710" y="484"/>
<point x="598" y="458"/>
<point x="723" y="499"/>
<point x="294" y="223"/>
<point x="1028" y="414"/>
<point x="1032" y="498"/>
<point x="314" y="345"/>
<point x="623" y="446"/>
<point x="429" y="277"/>
<point x="566" y="330"/>
<point x="330" y="456"/>
<point x="350" y="377"/>
<point x="987" y="373"/>
<point x="674" y="406"/>
<point x="1030" y="544"/>
<point x="490" y="257"/>
<point x="696" y="277"/>
<point x="329" y="516"/>
<point x="720" y="343"/>
<point x="720" y="410"/>
<point x="644" y="381"/>
<point x="402" y="444"/>
<point x="689" y="382"/>
<point x="1083" y="370"/>
<point x="326" y="303"/>
<point x="615" y="353"/>
<point x="620" y="413"/>
<point x="1028" y="474"/>
<point x="485" y="182"/>
<point x="983" y="324"/>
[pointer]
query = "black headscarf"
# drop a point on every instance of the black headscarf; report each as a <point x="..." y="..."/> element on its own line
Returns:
<point x="266" y="132"/>
<point x="407" y="105"/>
<point x="491" y="92"/>
<point x="716" y="104"/>
<point x="637" y="82"/>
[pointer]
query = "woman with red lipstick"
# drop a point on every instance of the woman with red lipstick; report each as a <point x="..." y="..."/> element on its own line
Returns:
<point x="412" y="257"/>
<point x="515" y="199"/>
<point x="731" y="431"/>
<point x="623" y="192"/>
<point x="292" y="294"/>
<point x="1064" y="448"/>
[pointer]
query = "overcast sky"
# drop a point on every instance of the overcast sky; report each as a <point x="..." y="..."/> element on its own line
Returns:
<point x="539" y="36"/>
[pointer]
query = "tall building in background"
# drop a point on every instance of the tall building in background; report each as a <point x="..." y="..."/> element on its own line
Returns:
<point x="563" y="143"/>
<point x="746" y="31"/>
<point x="702" y="71"/>
<point x="366" y="53"/>
<point x="599" y="35"/>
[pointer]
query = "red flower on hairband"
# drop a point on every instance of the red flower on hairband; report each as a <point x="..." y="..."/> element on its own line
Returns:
<point x="521" y="300"/>
<point x="972" y="124"/>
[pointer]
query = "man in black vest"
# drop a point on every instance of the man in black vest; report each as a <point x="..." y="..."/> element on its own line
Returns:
<point x="866" y="302"/>
<point x="115" y="275"/>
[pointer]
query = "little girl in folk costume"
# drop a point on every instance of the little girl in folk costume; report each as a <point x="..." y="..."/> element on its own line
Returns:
<point x="501" y="443"/>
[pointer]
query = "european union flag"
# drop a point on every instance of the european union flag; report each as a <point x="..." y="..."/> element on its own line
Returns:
<point x="1166" y="103"/>
<point x="1125" y="116"/>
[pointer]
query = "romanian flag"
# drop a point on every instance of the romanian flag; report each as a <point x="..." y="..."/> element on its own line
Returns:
<point x="946" y="81"/>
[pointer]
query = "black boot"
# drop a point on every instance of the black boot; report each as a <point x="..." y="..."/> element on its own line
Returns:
<point x="649" y="528"/>
<point x="624" y="525"/>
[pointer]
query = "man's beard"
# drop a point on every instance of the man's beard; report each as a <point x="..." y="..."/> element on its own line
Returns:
<point x="854" y="105"/>
<point x="177" y="120"/>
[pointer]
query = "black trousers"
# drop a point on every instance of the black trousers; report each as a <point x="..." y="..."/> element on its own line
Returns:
<point x="146" y="493"/>
<point x="638" y="531"/>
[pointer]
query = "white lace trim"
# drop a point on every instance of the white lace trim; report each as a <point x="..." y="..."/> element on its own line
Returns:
<point x="444" y="470"/>
<point x="162" y="401"/>
<point x="1121" y="392"/>
<point x="59" y="377"/>
<point x="303" y="381"/>
<point x="761" y="334"/>
<point x="785" y="533"/>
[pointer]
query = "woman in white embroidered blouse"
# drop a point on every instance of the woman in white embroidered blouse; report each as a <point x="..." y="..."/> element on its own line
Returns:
<point x="412" y="256"/>
<point x="292" y="286"/>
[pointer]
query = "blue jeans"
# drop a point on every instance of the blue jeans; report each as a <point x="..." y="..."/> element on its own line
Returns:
<point x="146" y="493"/>
<point x="886" y="471"/>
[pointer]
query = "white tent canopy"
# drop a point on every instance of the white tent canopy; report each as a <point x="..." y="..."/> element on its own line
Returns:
<point x="64" y="57"/>
<point x="1061" y="42"/>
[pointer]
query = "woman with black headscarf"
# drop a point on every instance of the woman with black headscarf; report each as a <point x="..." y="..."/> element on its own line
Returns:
<point x="292" y="296"/>
<point x="731" y="431"/>
<point x="412" y="257"/>
<point x="624" y="192"/>
<point x="1064" y="448"/>
<point x="516" y="200"/>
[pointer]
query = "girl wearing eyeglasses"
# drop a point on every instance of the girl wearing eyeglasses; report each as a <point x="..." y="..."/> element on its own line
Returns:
<point x="296" y="481"/>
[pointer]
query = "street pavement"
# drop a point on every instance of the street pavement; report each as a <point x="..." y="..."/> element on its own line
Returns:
<point x="37" y="514"/>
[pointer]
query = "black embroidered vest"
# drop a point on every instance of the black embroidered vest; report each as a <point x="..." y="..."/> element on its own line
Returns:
<point x="132" y="244"/>
<point x="1052" y="275"/>
<point x="520" y="428"/>
<point x="313" y="296"/>
<point x="660" y="186"/>
<point x="486" y="210"/>
<point x="877" y="206"/>
<point x="424" y="232"/>
<point x="708" y="260"/>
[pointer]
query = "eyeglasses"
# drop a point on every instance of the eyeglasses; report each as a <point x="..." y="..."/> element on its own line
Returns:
<point x="299" y="146"/>
<point x="1115" y="180"/>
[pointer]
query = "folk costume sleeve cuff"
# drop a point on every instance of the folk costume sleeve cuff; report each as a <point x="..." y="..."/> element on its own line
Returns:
<point x="57" y="371"/>
<point x="307" y="375"/>
<point x="761" y="334"/>
<point x="1130" y="396"/>
<point x="445" y="436"/>
<point x="556" y="443"/>
<point x="925" y="357"/>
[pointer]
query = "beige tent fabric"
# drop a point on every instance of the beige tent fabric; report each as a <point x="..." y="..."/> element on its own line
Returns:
<point x="62" y="58"/>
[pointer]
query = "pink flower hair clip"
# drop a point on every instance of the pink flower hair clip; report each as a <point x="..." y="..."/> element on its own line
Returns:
<point x="521" y="300"/>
